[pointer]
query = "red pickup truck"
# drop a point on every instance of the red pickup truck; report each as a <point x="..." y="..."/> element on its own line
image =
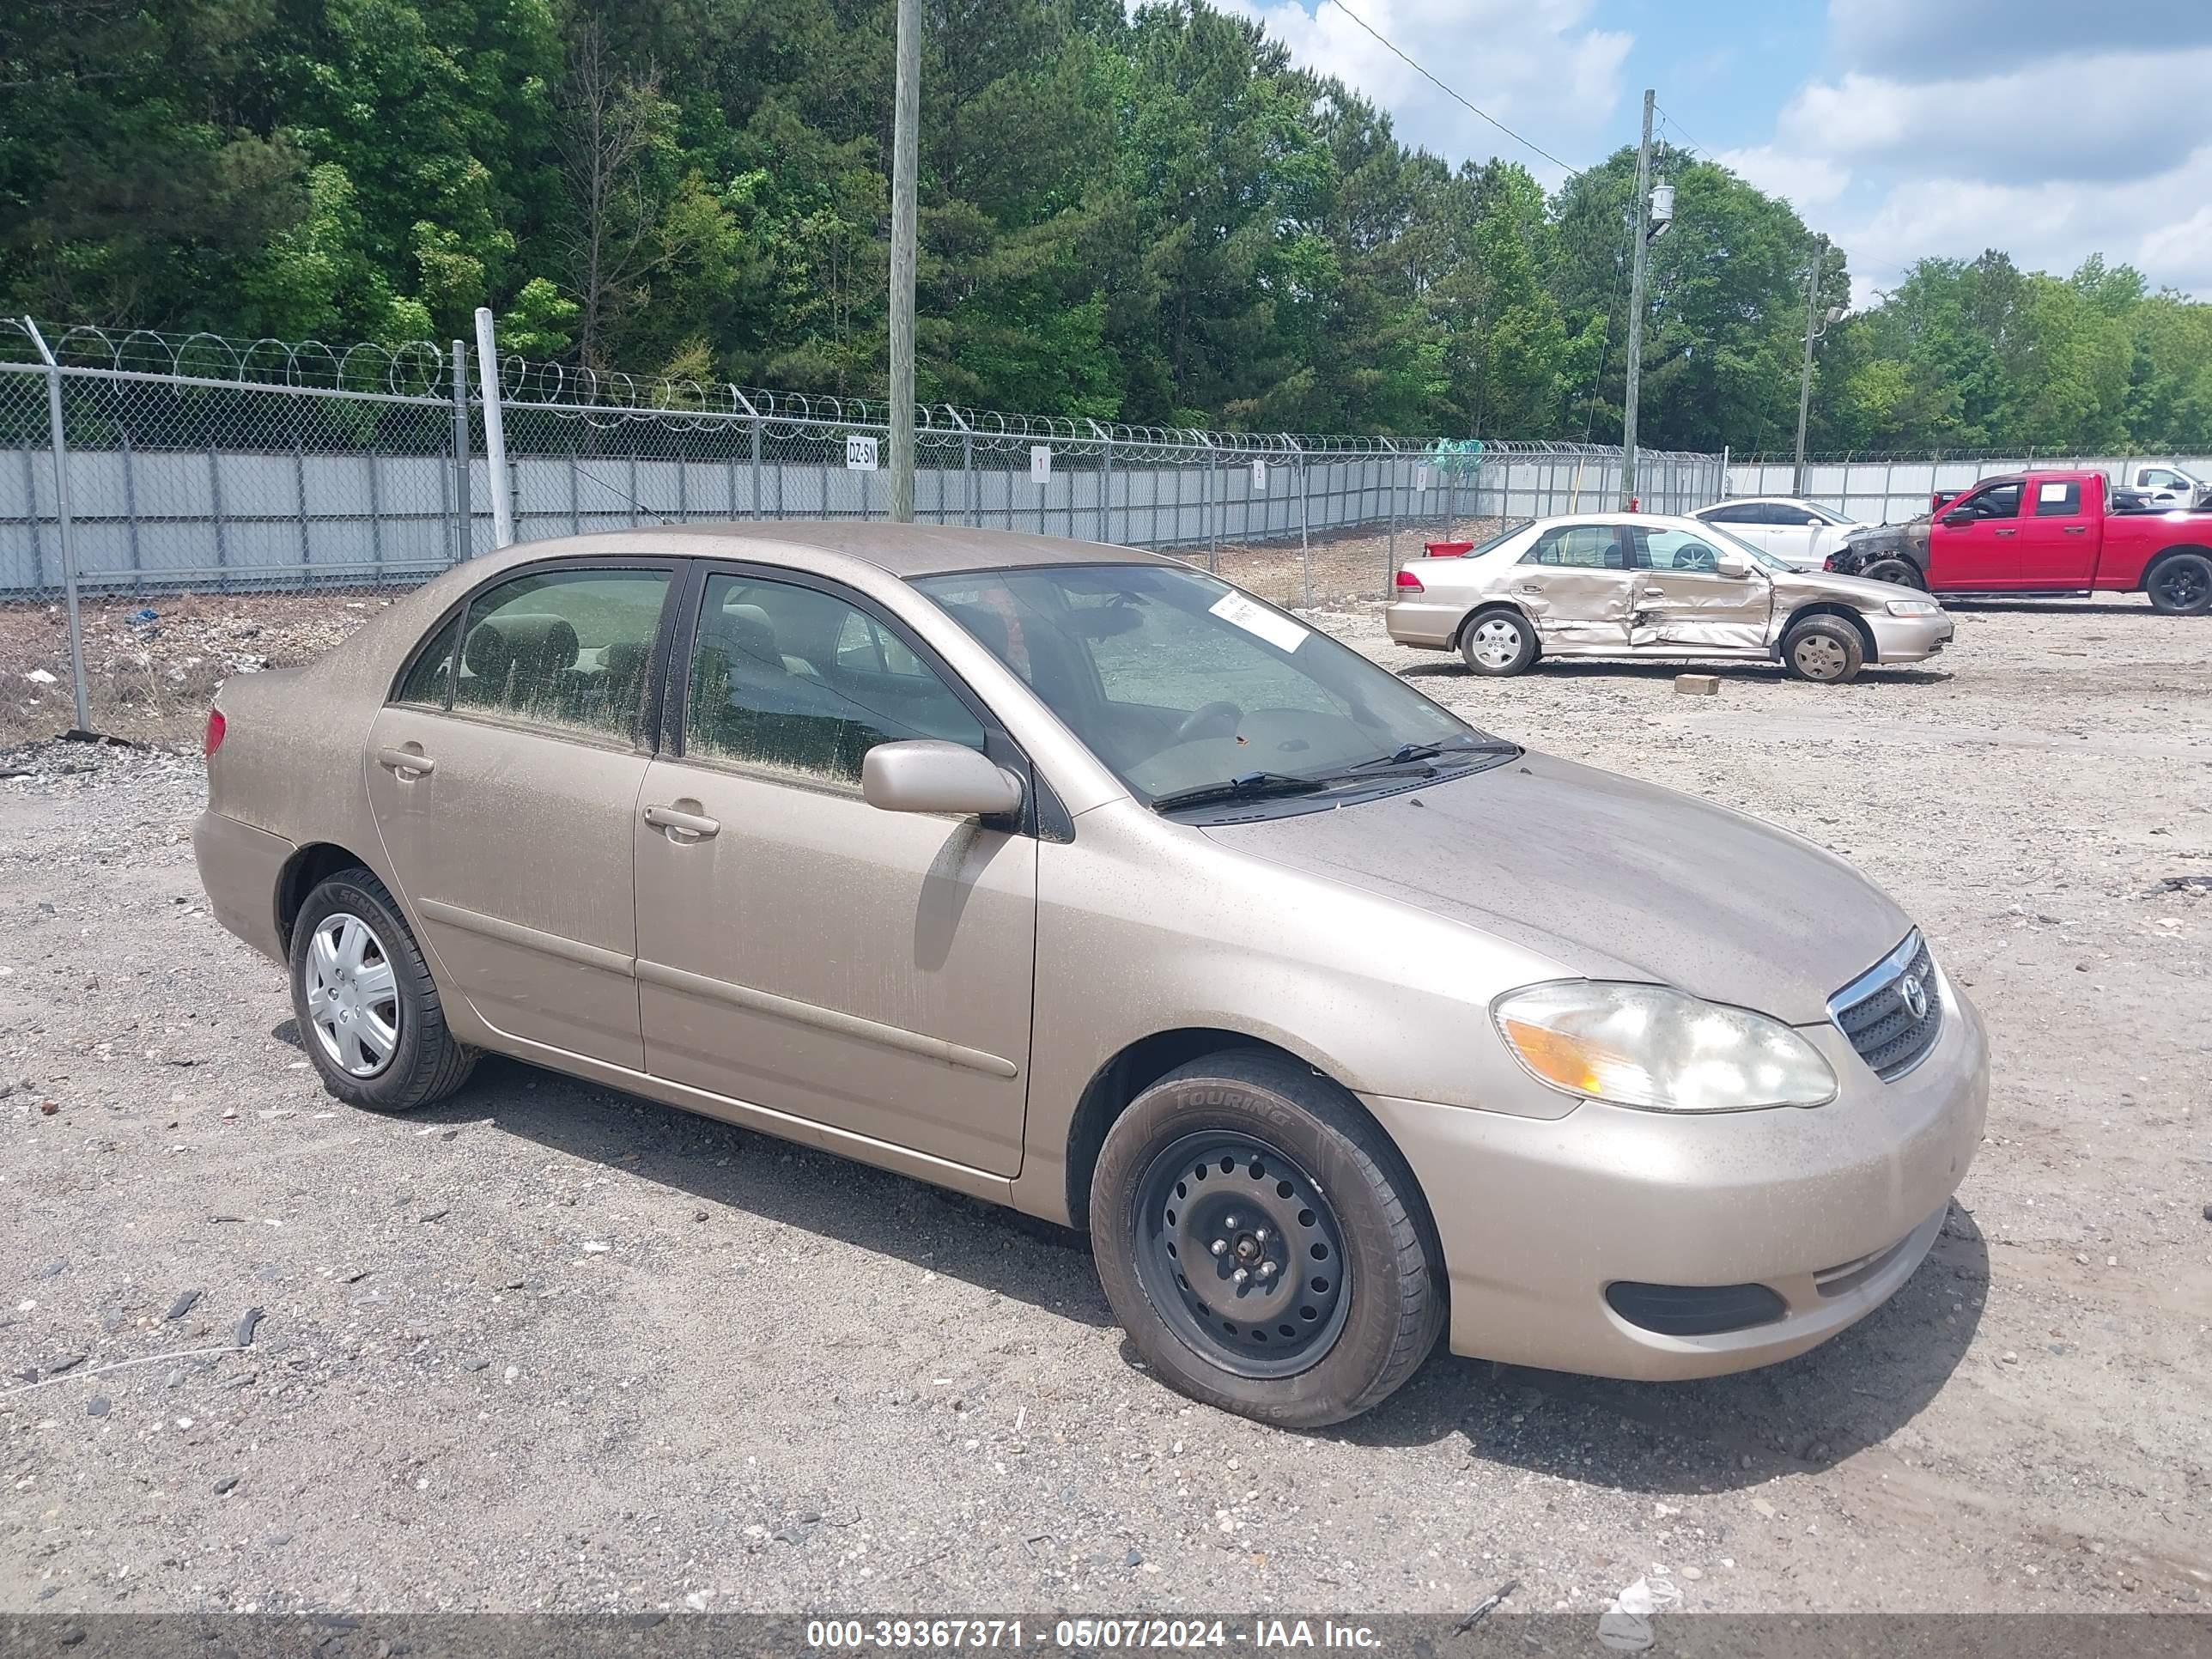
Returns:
<point x="2042" y="533"/>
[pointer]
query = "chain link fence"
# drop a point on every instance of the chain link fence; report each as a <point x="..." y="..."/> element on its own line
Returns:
<point x="196" y="464"/>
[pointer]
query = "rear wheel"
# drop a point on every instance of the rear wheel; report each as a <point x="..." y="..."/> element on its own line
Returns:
<point x="2180" y="585"/>
<point x="1498" y="643"/>
<point x="368" y="1009"/>
<point x="1902" y="572"/>
<point x="1825" y="650"/>
<point x="1262" y="1242"/>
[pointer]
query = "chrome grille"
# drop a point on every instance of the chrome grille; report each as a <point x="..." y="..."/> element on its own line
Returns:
<point x="1876" y="1012"/>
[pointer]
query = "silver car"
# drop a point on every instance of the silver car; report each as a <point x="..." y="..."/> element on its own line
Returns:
<point x="1074" y="879"/>
<point x="1637" y="585"/>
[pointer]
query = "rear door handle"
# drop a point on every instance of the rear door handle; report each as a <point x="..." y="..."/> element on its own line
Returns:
<point x="407" y="762"/>
<point x="1528" y="587"/>
<point x="2008" y="532"/>
<point x="2074" y="530"/>
<point x="687" y="824"/>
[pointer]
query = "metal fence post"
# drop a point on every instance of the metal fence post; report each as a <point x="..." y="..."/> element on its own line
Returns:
<point x="131" y="511"/>
<point x="464" y="527"/>
<point x="1106" y="489"/>
<point x="503" y="503"/>
<point x="1305" y="544"/>
<point x="58" y="438"/>
<point x="755" y="423"/>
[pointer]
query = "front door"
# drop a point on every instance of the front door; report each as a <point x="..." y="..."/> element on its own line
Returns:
<point x="1685" y="601"/>
<point x="799" y="949"/>
<point x="2057" y="537"/>
<point x="1575" y="583"/>
<point x="503" y="785"/>
<point x="1974" y="543"/>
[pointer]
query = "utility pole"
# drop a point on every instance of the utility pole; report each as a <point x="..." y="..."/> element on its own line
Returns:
<point x="1812" y="335"/>
<point x="1640" y="258"/>
<point x="906" y="116"/>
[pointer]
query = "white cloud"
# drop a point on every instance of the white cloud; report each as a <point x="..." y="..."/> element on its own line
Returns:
<point x="1914" y="41"/>
<point x="2156" y="224"/>
<point x="2108" y="117"/>
<point x="1536" y="65"/>
<point x="1805" y="182"/>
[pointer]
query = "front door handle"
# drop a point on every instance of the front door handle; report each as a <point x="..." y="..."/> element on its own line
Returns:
<point x="2074" y="530"/>
<point x="407" y="762"/>
<point x="1528" y="587"/>
<point x="2008" y="532"/>
<point x="683" y="826"/>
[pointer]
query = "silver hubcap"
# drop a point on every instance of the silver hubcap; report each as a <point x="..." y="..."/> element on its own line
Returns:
<point x="353" y="996"/>
<point x="1819" y="658"/>
<point x="1497" y="642"/>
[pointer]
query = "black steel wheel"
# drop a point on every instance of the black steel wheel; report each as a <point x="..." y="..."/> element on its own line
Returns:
<point x="1241" y="1251"/>
<point x="1902" y="571"/>
<point x="2181" y="584"/>
<point x="1263" y="1243"/>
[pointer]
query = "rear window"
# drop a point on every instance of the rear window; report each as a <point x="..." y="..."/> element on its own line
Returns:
<point x="2057" y="501"/>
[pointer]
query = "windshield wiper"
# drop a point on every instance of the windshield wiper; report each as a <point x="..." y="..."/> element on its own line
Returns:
<point x="1246" y="786"/>
<point x="1406" y="753"/>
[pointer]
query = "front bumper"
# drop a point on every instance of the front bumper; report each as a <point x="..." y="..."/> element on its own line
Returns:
<point x="1831" y="1208"/>
<point x="1424" y="623"/>
<point x="1909" y="639"/>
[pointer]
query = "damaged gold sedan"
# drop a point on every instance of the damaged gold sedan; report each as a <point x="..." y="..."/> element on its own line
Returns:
<point x="1632" y="585"/>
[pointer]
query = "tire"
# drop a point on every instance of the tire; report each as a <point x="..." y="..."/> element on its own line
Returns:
<point x="386" y="1053"/>
<point x="1498" y="643"/>
<point x="1902" y="572"/>
<point x="2180" y="585"/>
<point x="1342" y="1306"/>
<point x="1825" y="650"/>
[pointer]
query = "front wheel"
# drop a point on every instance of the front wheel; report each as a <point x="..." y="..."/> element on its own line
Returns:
<point x="368" y="1009"/>
<point x="1263" y="1244"/>
<point x="2180" y="585"/>
<point x="1825" y="650"/>
<point x="1902" y="572"/>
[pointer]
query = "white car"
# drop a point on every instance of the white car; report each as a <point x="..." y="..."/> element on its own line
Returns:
<point x="1799" y="533"/>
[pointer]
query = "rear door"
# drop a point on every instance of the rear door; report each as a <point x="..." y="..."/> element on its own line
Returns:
<point x="1685" y="602"/>
<point x="504" y="777"/>
<point x="1973" y="546"/>
<point x="799" y="949"/>
<point x="1575" y="582"/>
<point x="2057" y="534"/>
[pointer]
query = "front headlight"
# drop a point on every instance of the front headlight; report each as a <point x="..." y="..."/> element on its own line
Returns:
<point x="1913" y="607"/>
<point x="1660" y="1049"/>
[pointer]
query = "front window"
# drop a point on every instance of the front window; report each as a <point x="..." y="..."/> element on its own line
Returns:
<point x="1184" y="686"/>
<point x="799" y="683"/>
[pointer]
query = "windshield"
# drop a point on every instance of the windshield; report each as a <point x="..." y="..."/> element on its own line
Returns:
<point x="1180" y="684"/>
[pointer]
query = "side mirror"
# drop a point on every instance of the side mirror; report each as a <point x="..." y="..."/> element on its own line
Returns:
<point x="1728" y="564"/>
<point x="932" y="777"/>
<point x="1962" y="517"/>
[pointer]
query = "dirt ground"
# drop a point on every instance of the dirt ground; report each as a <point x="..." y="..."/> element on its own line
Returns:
<point x="548" y="1347"/>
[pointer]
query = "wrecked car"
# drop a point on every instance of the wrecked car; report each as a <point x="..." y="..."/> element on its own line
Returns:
<point x="1631" y="585"/>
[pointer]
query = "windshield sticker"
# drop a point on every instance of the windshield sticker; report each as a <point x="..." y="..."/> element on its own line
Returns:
<point x="1258" y="621"/>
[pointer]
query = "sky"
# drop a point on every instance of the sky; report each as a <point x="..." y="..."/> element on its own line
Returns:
<point x="1903" y="129"/>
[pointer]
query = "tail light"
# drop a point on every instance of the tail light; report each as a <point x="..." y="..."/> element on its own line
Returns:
<point x="216" y="726"/>
<point x="1408" y="582"/>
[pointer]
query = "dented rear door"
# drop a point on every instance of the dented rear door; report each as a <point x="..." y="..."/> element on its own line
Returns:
<point x="1575" y="583"/>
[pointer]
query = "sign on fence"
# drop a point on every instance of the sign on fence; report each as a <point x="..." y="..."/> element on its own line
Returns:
<point x="1040" y="464"/>
<point x="1259" y="477"/>
<point x="860" y="453"/>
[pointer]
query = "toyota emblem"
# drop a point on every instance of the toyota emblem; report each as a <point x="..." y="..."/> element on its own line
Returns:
<point x="1915" y="996"/>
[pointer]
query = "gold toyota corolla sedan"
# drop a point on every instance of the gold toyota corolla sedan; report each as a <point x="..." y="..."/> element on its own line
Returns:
<point x="1071" y="877"/>
<point x="1635" y="585"/>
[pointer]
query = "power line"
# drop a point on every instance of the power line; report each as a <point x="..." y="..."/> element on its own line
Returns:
<point x="1452" y="92"/>
<point x="1688" y="142"/>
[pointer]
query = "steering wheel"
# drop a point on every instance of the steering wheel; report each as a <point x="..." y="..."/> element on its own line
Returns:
<point x="1696" y="555"/>
<point x="1201" y="719"/>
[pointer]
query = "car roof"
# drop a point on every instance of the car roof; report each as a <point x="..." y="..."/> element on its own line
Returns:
<point x="1663" y="520"/>
<point x="905" y="550"/>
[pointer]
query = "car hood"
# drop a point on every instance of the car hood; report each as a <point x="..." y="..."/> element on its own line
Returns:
<point x="1855" y="591"/>
<point x="1611" y="877"/>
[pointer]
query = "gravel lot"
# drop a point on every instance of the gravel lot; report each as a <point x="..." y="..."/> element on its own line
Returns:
<point x="548" y="1347"/>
